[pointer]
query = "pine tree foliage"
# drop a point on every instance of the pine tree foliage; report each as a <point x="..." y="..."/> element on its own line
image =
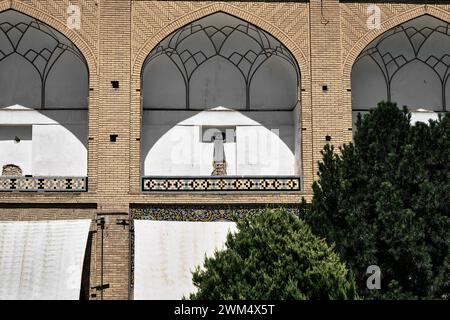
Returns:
<point x="274" y="256"/>
<point x="385" y="200"/>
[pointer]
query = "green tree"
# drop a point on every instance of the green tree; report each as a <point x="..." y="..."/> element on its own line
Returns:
<point x="384" y="200"/>
<point x="274" y="256"/>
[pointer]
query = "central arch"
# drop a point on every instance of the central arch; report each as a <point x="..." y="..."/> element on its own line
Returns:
<point x="229" y="9"/>
<point x="220" y="60"/>
<point x="220" y="73"/>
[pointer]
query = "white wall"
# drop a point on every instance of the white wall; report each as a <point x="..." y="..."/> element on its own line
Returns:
<point x="42" y="260"/>
<point x="423" y="116"/>
<point x="58" y="145"/>
<point x="416" y="116"/>
<point x="166" y="252"/>
<point x="12" y="152"/>
<point x="171" y="143"/>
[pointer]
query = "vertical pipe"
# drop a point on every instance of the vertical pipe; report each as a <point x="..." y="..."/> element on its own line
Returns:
<point x="102" y="227"/>
<point x="101" y="270"/>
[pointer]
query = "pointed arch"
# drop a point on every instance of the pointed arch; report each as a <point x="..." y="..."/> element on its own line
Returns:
<point x="404" y="43"/>
<point x="385" y="26"/>
<point x="60" y="26"/>
<point x="229" y="9"/>
<point x="64" y="66"/>
<point x="241" y="46"/>
<point x="52" y="55"/>
<point x="218" y="53"/>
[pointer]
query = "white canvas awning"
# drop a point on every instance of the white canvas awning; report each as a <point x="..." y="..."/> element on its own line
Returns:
<point x="42" y="260"/>
<point x="166" y="252"/>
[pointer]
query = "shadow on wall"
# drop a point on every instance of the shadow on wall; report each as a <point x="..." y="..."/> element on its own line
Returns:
<point x="257" y="143"/>
<point x="220" y="60"/>
<point x="44" y="81"/>
<point x="409" y="64"/>
<point x="44" y="142"/>
<point x="220" y="72"/>
<point x="39" y="67"/>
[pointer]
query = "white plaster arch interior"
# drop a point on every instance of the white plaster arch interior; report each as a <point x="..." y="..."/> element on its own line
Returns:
<point x="44" y="99"/>
<point x="221" y="72"/>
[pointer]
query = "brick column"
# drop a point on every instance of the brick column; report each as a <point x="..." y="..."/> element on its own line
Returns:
<point x="325" y="71"/>
<point x="114" y="104"/>
<point x="115" y="261"/>
<point x="113" y="157"/>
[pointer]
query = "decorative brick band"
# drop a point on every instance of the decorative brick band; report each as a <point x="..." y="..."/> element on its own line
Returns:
<point x="203" y="212"/>
<point x="47" y="184"/>
<point x="233" y="183"/>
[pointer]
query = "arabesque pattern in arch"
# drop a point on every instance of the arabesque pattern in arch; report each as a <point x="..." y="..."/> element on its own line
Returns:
<point x="92" y="64"/>
<point x="365" y="40"/>
<point x="371" y="35"/>
<point x="142" y="53"/>
<point x="244" y="48"/>
<point x="228" y="9"/>
<point x="59" y="26"/>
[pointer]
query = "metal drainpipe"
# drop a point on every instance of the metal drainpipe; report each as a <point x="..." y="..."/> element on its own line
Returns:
<point x="102" y="227"/>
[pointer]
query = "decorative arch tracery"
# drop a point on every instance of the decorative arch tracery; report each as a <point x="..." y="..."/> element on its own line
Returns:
<point x="218" y="35"/>
<point x="423" y="41"/>
<point x="33" y="44"/>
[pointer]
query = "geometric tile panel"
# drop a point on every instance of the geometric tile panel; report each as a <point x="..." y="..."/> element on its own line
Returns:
<point x="230" y="183"/>
<point x="47" y="184"/>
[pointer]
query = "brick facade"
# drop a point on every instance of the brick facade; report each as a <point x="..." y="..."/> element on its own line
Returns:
<point x="115" y="37"/>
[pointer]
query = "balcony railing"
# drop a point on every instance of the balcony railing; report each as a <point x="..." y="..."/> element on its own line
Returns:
<point x="217" y="184"/>
<point x="45" y="184"/>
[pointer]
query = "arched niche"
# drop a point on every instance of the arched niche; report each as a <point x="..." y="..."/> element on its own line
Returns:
<point x="368" y="84"/>
<point x="217" y="83"/>
<point x="249" y="51"/>
<point x="225" y="73"/>
<point x="271" y="84"/>
<point x="410" y="63"/>
<point x="158" y="94"/>
<point x="59" y="69"/>
<point x="15" y="73"/>
<point x="417" y="86"/>
<point x="44" y="85"/>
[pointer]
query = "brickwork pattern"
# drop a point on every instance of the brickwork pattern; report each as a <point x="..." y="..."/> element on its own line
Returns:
<point x="325" y="37"/>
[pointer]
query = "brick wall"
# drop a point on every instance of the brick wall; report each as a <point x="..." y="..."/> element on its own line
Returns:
<point x="117" y="35"/>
